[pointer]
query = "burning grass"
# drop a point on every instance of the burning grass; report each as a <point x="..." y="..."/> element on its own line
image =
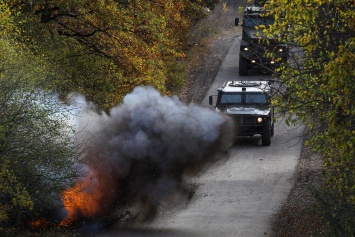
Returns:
<point x="82" y="200"/>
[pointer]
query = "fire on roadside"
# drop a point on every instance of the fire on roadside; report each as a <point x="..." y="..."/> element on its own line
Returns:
<point x="82" y="200"/>
<point x="39" y="224"/>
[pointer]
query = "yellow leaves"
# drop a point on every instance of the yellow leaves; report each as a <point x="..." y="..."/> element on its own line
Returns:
<point x="225" y="8"/>
<point x="321" y="86"/>
<point x="240" y="10"/>
<point x="139" y="37"/>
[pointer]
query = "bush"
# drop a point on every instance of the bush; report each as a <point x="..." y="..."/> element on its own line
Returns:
<point x="37" y="153"/>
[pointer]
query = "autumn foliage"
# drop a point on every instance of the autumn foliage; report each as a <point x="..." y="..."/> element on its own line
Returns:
<point x="320" y="91"/>
<point x="103" y="49"/>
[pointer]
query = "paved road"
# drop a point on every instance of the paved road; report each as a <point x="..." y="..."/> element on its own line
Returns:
<point x="239" y="196"/>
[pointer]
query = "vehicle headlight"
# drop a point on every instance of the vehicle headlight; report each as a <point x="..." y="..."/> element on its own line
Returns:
<point x="245" y="48"/>
<point x="260" y="119"/>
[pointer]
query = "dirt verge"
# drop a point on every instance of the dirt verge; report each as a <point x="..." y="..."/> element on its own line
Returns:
<point x="208" y="44"/>
<point x="298" y="216"/>
<point x="200" y="78"/>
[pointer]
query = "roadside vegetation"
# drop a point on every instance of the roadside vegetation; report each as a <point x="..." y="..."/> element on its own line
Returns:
<point x="36" y="152"/>
<point x="320" y="91"/>
<point x="103" y="51"/>
<point x="99" y="49"/>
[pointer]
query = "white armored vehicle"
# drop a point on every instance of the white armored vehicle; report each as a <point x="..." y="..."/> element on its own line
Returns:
<point x="248" y="104"/>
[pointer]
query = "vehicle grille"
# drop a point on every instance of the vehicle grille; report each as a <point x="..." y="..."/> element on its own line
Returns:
<point x="247" y="120"/>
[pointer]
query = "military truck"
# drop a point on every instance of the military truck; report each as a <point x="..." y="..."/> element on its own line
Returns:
<point x="254" y="46"/>
<point x="248" y="104"/>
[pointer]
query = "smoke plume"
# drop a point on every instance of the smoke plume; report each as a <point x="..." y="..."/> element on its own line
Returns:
<point x="137" y="156"/>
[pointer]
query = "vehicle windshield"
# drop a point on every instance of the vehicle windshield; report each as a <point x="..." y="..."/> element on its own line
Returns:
<point x="243" y="98"/>
<point x="252" y="21"/>
<point x="231" y="99"/>
<point x="255" y="98"/>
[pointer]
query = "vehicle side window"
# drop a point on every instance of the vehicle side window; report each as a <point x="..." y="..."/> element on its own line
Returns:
<point x="231" y="99"/>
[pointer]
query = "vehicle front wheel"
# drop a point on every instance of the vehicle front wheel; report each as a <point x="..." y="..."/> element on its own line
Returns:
<point x="266" y="135"/>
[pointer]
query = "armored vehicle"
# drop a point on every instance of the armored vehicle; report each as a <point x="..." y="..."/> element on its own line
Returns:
<point x="248" y="104"/>
<point x="254" y="46"/>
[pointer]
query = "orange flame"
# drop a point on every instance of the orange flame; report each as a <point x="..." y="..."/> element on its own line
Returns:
<point x="39" y="224"/>
<point x="83" y="200"/>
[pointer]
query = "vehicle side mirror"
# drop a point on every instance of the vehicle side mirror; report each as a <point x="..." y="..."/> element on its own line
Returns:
<point x="210" y="100"/>
<point x="236" y="21"/>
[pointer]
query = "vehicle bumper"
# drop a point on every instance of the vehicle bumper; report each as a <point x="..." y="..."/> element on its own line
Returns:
<point x="248" y="125"/>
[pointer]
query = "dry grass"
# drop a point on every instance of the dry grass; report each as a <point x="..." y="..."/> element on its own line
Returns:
<point x="207" y="45"/>
<point x="218" y="21"/>
<point x="199" y="49"/>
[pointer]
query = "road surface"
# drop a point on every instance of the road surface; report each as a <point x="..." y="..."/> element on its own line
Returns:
<point x="237" y="197"/>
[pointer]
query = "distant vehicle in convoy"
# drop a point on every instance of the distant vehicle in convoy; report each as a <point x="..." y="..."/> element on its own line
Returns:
<point x="248" y="104"/>
<point x="254" y="46"/>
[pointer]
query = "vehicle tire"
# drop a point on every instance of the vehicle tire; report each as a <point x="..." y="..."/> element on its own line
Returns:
<point x="272" y="129"/>
<point x="266" y="135"/>
<point x="243" y="66"/>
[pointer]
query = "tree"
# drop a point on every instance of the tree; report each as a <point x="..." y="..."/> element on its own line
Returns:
<point x="104" y="49"/>
<point x="319" y="78"/>
<point x="37" y="153"/>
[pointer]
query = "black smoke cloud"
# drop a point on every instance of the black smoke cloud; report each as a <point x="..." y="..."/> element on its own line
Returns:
<point x="140" y="152"/>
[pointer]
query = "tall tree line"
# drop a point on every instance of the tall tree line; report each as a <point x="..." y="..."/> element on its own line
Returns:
<point x="103" y="49"/>
<point x="319" y="78"/>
